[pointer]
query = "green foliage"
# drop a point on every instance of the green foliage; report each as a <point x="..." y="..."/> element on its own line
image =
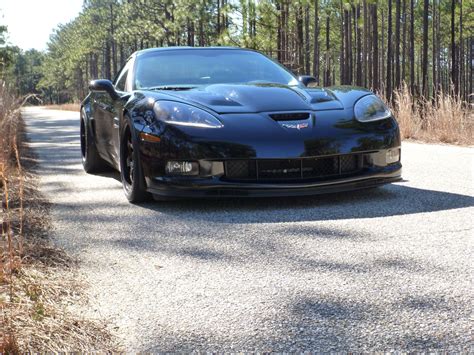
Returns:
<point x="26" y="70"/>
<point x="5" y="51"/>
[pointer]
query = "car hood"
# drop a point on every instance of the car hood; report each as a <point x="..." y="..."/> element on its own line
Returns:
<point x="227" y="98"/>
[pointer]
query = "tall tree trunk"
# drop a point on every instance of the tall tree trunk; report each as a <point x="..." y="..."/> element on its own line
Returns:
<point x="307" y="60"/>
<point x="252" y="23"/>
<point x="348" y="48"/>
<point x="190" y="31"/>
<point x="365" y="58"/>
<point x="454" y="71"/>
<point x="202" y="38"/>
<point x="112" y="40"/>
<point x="397" y="43"/>
<point x="121" y="55"/>
<point x="389" y="53"/>
<point x="107" y="71"/>
<point x="94" y="73"/>
<point x="424" y="66"/>
<point x="245" y="20"/>
<point x="420" y="65"/>
<point x="382" y="51"/>
<point x="434" y="55"/>
<point x="404" y="39"/>
<point x="342" y="62"/>
<point x="471" y="60"/>
<point x="169" y="37"/>
<point x="370" y="49"/>
<point x="284" y="29"/>
<point x="350" y="70"/>
<point x="299" y="39"/>
<point x="218" y="18"/>
<point x="461" y="53"/>
<point x="316" y="42"/>
<point x="359" y="48"/>
<point x="375" y="51"/>
<point x="412" y="46"/>
<point x="225" y="15"/>
<point x="279" y="32"/>
<point x="327" y="75"/>
<point x="439" y="70"/>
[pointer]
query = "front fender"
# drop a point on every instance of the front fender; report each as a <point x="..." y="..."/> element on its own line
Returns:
<point x="348" y="95"/>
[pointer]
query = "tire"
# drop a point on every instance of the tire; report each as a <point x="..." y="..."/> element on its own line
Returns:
<point x="91" y="161"/>
<point x="131" y="173"/>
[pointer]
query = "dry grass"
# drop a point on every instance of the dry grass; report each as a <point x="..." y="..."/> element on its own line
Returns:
<point x="446" y="119"/>
<point x="65" y="107"/>
<point x="38" y="283"/>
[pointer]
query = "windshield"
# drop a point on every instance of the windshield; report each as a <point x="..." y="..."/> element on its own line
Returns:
<point x="207" y="66"/>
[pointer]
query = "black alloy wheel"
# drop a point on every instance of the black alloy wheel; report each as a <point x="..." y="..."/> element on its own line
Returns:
<point x="133" y="181"/>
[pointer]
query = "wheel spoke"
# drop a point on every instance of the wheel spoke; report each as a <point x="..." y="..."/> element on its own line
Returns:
<point x="132" y="171"/>
<point x="130" y="161"/>
<point x="127" y="154"/>
<point x="83" y="140"/>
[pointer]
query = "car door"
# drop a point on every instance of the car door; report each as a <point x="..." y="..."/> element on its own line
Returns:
<point x="107" y="117"/>
<point x="99" y="106"/>
<point x="122" y="85"/>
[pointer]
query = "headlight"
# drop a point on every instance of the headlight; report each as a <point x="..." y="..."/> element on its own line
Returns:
<point x="184" y="115"/>
<point x="370" y="108"/>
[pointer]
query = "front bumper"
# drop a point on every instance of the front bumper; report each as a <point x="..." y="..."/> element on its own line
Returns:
<point x="215" y="187"/>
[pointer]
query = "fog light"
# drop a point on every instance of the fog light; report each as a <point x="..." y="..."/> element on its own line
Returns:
<point x="393" y="156"/>
<point x="182" y="168"/>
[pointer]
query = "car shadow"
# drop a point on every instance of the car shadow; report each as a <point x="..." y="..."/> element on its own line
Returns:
<point x="390" y="200"/>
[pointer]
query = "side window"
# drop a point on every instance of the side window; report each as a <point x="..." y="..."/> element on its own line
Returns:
<point x="122" y="80"/>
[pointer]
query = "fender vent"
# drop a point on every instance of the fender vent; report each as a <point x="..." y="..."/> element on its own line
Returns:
<point x="290" y="116"/>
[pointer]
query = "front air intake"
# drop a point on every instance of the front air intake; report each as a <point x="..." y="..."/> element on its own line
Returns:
<point x="290" y="116"/>
<point x="296" y="169"/>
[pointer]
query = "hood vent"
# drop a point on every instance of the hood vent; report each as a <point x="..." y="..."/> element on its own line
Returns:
<point x="320" y="96"/>
<point x="290" y="116"/>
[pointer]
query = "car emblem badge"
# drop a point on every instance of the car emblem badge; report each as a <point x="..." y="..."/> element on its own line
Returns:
<point x="297" y="126"/>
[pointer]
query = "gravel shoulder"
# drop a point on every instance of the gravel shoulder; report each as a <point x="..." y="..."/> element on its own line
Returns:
<point x="376" y="270"/>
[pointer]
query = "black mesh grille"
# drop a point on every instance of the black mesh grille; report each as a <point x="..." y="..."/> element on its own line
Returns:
<point x="313" y="168"/>
<point x="237" y="168"/>
<point x="349" y="163"/>
<point x="293" y="169"/>
<point x="279" y="169"/>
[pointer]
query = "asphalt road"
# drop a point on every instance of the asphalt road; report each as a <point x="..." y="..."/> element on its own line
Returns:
<point x="375" y="270"/>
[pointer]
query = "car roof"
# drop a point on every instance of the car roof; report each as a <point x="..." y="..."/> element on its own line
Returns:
<point x="186" y="48"/>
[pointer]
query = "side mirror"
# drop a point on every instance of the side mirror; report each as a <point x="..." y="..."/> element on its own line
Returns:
<point x="104" y="85"/>
<point x="307" y="80"/>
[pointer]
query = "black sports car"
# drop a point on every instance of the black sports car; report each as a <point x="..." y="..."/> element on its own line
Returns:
<point x="221" y="122"/>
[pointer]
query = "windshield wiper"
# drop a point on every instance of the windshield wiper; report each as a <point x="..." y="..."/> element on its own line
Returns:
<point x="170" y="87"/>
